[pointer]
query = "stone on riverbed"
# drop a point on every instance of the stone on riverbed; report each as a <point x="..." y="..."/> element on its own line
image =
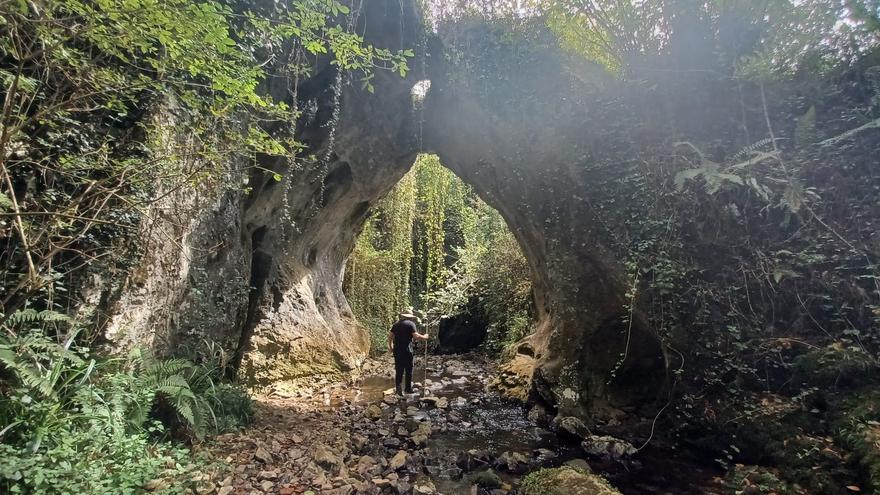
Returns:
<point x="438" y="402"/>
<point x="399" y="460"/>
<point x="608" y="447"/>
<point x="325" y="458"/>
<point x="570" y="426"/>
<point x="472" y="459"/>
<point x="424" y="488"/>
<point x="373" y="412"/>
<point x="513" y="462"/>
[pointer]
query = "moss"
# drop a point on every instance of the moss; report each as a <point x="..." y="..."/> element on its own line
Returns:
<point x="487" y="479"/>
<point x="565" y="480"/>
<point x="836" y="365"/>
<point x="858" y="428"/>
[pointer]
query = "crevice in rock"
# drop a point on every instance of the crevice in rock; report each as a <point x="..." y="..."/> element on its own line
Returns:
<point x="261" y="267"/>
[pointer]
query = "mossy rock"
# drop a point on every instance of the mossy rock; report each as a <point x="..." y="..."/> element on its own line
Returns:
<point x="487" y="479"/>
<point x="565" y="480"/>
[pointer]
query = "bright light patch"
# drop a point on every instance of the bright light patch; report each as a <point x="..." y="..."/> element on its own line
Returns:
<point x="420" y="90"/>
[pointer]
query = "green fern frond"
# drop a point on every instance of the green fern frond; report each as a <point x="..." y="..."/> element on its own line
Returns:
<point x="748" y="150"/>
<point x="167" y="367"/>
<point x="30" y="315"/>
<point x="185" y="410"/>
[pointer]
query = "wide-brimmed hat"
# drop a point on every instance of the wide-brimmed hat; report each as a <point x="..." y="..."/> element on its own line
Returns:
<point x="407" y="313"/>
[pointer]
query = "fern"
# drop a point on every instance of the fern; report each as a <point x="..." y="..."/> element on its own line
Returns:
<point x="750" y="149"/>
<point x="30" y="315"/>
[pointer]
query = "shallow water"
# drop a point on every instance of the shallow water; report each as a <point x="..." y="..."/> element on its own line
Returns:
<point x="490" y="423"/>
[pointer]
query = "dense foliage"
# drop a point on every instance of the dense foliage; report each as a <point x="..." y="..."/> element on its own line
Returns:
<point x="74" y="421"/>
<point x="433" y="244"/>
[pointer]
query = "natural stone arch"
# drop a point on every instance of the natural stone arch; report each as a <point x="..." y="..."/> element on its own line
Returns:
<point x="518" y="166"/>
<point x="283" y="245"/>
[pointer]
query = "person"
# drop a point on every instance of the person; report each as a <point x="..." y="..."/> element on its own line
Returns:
<point x="400" y="342"/>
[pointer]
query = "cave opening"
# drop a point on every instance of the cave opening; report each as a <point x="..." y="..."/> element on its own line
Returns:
<point x="433" y="245"/>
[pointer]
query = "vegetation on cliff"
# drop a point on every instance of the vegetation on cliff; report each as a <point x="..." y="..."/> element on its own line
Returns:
<point x="432" y="243"/>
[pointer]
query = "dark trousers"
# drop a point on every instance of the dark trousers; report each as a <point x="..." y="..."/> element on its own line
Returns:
<point x="403" y="369"/>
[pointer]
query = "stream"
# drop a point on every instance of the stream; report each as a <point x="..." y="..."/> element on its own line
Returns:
<point x="478" y="419"/>
<point x="344" y="438"/>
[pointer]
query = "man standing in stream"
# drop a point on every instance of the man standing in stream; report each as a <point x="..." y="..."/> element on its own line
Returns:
<point x="400" y="342"/>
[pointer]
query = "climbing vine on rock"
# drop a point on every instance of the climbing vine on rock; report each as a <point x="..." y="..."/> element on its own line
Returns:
<point x="433" y="244"/>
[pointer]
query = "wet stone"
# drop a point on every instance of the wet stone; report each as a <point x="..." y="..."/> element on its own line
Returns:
<point x="608" y="447"/>
<point x="513" y="462"/>
<point x="570" y="426"/>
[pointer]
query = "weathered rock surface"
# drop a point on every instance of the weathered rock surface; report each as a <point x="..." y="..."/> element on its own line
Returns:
<point x="514" y="378"/>
<point x="569" y="426"/>
<point x="607" y="446"/>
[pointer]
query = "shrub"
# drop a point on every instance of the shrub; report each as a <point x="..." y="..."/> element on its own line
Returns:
<point x="73" y="424"/>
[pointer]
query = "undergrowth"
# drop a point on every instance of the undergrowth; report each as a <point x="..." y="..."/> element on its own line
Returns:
<point x="73" y="422"/>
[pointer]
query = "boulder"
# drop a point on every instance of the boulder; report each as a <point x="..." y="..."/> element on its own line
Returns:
<point x="569" y="426"/>
<point x="608" y="447"/>
<point x="565" y="480"/>
<point x="514" y="378"/>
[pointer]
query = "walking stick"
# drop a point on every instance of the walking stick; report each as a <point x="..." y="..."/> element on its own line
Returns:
<point x="425" y="376"/>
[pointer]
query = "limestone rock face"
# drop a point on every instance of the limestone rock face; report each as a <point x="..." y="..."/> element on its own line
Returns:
<point x="301" y="230"/>
<point x="256" y="264"/>
<point x="190" y="284"/>
<point x="519" y="145"/>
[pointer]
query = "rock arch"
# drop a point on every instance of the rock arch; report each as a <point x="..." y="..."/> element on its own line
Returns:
<point x="283" y="245"/>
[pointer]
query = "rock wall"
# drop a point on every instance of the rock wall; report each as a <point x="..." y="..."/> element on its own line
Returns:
<point x="260" y="271"/>
<point x="301" y="232"/>
<point x="520" y="143"/>
<point x="189" y="285"/>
